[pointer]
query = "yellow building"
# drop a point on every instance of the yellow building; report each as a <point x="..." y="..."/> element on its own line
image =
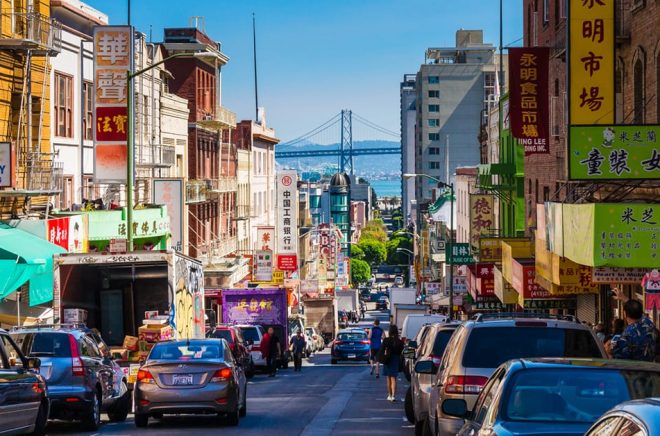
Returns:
<point x="28" y="38"/>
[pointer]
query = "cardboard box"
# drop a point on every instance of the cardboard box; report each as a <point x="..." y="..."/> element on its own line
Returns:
<point x="119" y="353"/>
<point x="74" y="316"/>
<point x="131" y="343"/>
<point x="155" y="333"/>
<point x="145" y="346"/>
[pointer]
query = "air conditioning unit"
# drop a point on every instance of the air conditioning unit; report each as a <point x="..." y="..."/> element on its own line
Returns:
<point x="208" y="117"/>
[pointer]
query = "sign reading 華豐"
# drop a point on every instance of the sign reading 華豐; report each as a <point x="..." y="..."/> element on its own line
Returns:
<point x="287" y="219"/>
<point x="528" y="102"/>
<point x="591" y="61"/>
<point x="614" y="152"/>
<point x="113" y="51"/>
<point x="481" y="217"/>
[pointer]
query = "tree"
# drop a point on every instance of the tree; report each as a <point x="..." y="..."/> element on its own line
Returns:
<point x="357" y="252"/>
<point x="375" y="252"/>
<point x="394" y="257"/>
<point x="374" y="229"/>
<point x="360" y="271"/>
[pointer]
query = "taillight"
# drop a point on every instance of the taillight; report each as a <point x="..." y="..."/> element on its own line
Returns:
<point x="436" y="360"/>
<point x="144" y="376"/>
<point x="338" y="342"/>
<point x="77" y="366"/>
<point x="365" y="342"/>
<point x="469" y="384"/>
<point x="221" y="375"/>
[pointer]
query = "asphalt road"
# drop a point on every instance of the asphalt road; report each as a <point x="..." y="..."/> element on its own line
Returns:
<point x="323" y="399"/>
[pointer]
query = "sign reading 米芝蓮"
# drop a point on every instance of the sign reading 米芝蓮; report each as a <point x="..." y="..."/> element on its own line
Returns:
<point x="287" y="219"/>
<point x="113" y="51"/>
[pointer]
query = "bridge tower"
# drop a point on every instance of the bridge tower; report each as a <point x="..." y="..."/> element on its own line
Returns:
<point x="346" y="151"/>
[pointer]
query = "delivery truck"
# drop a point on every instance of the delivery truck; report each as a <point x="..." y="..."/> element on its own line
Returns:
<point x="347" y="300"/>
<point x="321" y="313"/>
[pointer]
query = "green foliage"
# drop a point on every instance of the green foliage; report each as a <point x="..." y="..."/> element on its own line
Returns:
<point x="398" y="241"/>
<point x="360" y="271"/>
<point x="357" y="252"/>
<point x="375" y="252"/>
<point x="374" y="229"/>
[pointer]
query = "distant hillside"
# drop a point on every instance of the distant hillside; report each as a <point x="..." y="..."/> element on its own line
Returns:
<point x="375" y="164"/>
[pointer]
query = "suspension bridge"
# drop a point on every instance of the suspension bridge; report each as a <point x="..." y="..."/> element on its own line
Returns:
<point x="321" y="141"/>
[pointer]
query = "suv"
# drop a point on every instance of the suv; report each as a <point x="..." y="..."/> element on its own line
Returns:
<point x="83" y="380"/>
<point x="479" y="346"/>
<point x="237" y="345"/>
<point x="252" y="334"/>
<point x="23" y="393"/>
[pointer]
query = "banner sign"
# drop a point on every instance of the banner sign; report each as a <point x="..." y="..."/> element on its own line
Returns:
<point x="287" y="214"/>
<point x="7" y="165"/>
<point x="528" y="100"/>
<point x="606" y="275"/>
<point x="287" y="262"/>
<point x="169" y="192"/>
<point x="263" y="266"/>
<point x="614" y="152"/>
<point x="265" y="238"/>
<point x="459" y="254"/>
<point x="113" y="51"/>
<point x="591" y="62"/>
<point x="556" y="303"/>
<point x="482" y="216"/>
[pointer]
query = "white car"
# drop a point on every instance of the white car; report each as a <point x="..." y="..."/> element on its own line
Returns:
<point x="253" y="334"/>
<point x="398" y="281"/>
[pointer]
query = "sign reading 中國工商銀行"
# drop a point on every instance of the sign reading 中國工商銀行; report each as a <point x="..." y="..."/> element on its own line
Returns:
<point x="287" y="216"/>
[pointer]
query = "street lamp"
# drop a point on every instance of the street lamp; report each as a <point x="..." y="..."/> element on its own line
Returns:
<point x="410" y="255"/>
<point x="449" y="258"/>
<point x="130" y="167"/>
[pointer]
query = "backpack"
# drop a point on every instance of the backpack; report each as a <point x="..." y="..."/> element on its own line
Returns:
<point x="385" y="353"/>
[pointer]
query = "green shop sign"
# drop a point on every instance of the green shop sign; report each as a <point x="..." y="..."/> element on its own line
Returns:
<point x="614" y="152"/>
<point x="459" y="254"/>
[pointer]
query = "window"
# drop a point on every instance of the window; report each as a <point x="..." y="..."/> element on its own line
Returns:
<point x="434" y="79"/>
<point x="485" y="400"/>
<point x="546" y="11"/>
<point x="88" y="117"/>
<point x="629" y="428"/>
<point x="434" y="122"/>
<point x="11" y="353"/>
<point x="434" y="94"/>
<point x="546" y="193"/>
<point x="63" y="105"/>
<point x="88" y="348"/>
<point x="434" y="150"/>
<point x="434" y="108"/>
<point x="638" y="93"/>
<point x="607" y="427"/>
<point x="434" y="165"/>
<point x="67" y="195"/>
<point x="434" y="136"/>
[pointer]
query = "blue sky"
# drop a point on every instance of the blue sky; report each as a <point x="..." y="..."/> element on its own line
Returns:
<point x="316" y="57"/>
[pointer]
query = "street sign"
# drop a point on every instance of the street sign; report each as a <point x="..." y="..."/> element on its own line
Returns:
<point x="459" y="254"/>
<point x="439" y="245"/>
<point x="117" y="246"/>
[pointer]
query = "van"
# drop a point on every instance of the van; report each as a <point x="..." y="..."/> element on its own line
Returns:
<point x="414" y="322"/>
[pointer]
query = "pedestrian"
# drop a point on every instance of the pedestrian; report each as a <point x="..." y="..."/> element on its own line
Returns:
<point x="264" y="347"/>
<point x="298" y="345"/>
<point x="375" y="341"/>
<point x="274" y="351"/>
<point x="390" y="357"/>
<point x="638" y="340"/>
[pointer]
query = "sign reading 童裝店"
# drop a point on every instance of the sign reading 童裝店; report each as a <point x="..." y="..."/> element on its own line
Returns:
<point x="287" y="220"/>
<point x="113" y="51"/>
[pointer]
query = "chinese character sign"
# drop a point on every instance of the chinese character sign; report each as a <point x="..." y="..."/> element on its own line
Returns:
<point x="459" y="254"/>
<point x="591" y="61"/>
<point x="113" y="48"/>
<point x="57" y="232"/>
<point x="528" y="106"/>
<point x="482" y="218"/>
<point x="263" y="265"/>
<point x="265" y="238"/>
<point x="287" y="212"/>
<point x="170" y="193"/>
<point x="614" y="152"/>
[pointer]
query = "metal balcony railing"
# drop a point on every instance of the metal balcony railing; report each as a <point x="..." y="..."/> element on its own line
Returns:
<point x="156" y="156"/>
<point x="222" y="184"/>
<point x="195" y="191"/>
<point x="30" y="31"/>
<point x="222" y="118"/>
<point x="224" y="247"/>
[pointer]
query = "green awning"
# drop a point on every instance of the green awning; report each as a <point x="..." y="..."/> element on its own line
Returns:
<point x="23" y="257"/>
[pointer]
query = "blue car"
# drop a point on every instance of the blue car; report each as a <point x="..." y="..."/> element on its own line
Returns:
<point x="350" y="345"/>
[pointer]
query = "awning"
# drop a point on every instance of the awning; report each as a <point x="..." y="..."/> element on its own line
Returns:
<point x="23" y="257"/>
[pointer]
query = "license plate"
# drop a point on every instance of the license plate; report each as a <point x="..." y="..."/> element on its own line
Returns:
<point x="351" y="356"/>
<point x="182" y="379"/>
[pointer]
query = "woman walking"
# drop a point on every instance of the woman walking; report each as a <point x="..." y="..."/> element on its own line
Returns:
<point x="391" y="357"/>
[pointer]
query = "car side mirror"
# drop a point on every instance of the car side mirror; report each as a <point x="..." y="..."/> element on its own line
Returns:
<point x="409" y="353"/>
<point x="425" y="367"/>
<point x="412" y="344"/>
<point x="34" y="363"/>
<point x="455" y="407"/>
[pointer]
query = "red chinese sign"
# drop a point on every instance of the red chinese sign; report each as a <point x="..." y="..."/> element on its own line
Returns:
<point x="528" y="101"/>
<point x="57" y="231"/>
<point x="287" y="262"/>
<point x="524" y="282"/>
<point x="111" y="123"/>
<point x="481" y="279"/>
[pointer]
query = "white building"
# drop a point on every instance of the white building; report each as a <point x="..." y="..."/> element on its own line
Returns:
<point x="408" y="118"/>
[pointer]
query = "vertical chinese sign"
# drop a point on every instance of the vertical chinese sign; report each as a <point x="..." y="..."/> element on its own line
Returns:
<point x="481" y="217"/>
<point x="170" y="193"/>
<point x="113" y="49"/>
<point x="591" y="62"/>
<point x="265" y="238"/>
<point x="528" y="106"/>
<point x="287" y="220"/>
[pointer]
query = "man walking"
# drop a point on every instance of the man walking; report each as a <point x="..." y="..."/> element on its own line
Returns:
<point x="298" y="345"/>
<point x="638" y="340"/>
<point x="375" y="341"/>
<point x="274" y="351"/>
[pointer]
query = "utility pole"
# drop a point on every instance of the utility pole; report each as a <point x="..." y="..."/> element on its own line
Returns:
<point x="254" y="55"/>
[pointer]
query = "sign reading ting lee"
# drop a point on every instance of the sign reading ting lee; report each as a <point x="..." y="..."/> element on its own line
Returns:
<point x="614" y="152"/>
<point x="528" y="106"/>
<point x="591" y="61"/>
<point x="113" y="49"/>
<point x="481" y="216"/>
<point x="287" y="216"/>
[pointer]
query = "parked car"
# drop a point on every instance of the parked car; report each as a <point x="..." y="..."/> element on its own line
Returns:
<point x="398" y="281"/>
<point x="239" y="348"/>
<point x="415" y="321"/>
<point x="411" y="348"/>
<point x="351" y="344"/>
<point x="383" y="303"/>
<point x="636" y="417"/>
<point x="554" y="396"/>
<point x="252" y="334"/>
<point x="316" y="338"/>
<point x="83" y="380"/>
<point x="24" y="404"/>
<point x="479" y="346"/>
<point x="190" y="376"/>
<point x="430" y="349"/>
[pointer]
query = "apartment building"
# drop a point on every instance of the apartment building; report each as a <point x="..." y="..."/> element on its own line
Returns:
<point x="408" y="95"/>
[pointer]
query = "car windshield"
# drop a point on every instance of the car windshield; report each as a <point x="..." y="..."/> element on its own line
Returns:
<point x="222" y="334"/>
<point x="183" y="351"/>
<point x="574" y="395"/>
<point x="489" y="347"/>
<point x="250" y="334"/>
<point x="353" y="336"/>
<point x="309" y="331"/>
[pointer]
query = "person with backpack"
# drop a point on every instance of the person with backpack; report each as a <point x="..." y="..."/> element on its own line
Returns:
<point x="390" y="357"/>
<point x="375" y="340"/>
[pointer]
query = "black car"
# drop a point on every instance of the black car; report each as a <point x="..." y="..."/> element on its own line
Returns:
<point x="383" y="303"/>
<point x="24" y="404"/>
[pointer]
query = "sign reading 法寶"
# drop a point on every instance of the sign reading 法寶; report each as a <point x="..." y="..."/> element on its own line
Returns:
<point x="591" y="61"/>
<point x="481" y="216"/>
<point x="287" y="213"/>
<point x="113" y="50"/>
<point x="7" y="165"/>
<point x="528" y="102"/>
<point x="614" y="152"/>
<point x="459" y="254"/>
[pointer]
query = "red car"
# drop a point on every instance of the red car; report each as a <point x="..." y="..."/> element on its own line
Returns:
<point x="237" y="345"/>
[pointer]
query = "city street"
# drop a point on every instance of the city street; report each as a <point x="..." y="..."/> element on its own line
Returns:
<point x="323" y="399"/>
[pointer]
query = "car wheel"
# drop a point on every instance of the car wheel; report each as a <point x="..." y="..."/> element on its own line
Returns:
<point x="408" y="406"/>
<point x="250" y="370"/>
<point x="120" y="409"/>
<point x="234" y="417"/>
<point x="141" y="420"/>
<point x="333" y="361"/>
<point x="92" y="421"/>
<point x="243" y="412"/>
<point x="42" y="419"/>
